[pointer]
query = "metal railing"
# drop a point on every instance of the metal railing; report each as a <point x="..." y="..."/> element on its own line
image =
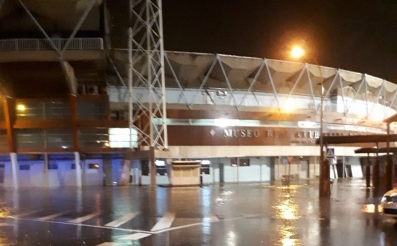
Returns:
<point x="44" y="44"/>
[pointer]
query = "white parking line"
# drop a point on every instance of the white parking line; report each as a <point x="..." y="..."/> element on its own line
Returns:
<point x="110" y="244"/>
<point x="5" y="224"/>
<point x="122" y="220"/>
<point x="164" y="222"/>
<point x="84" y="218"/>
<point x="212" y="218"/>
<point x="135" y="236"/>
<point x="51" y="216"/>
<point x="27" y="213"/>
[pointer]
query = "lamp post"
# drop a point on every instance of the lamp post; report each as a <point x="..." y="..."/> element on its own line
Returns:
<point x="324" y="184"/>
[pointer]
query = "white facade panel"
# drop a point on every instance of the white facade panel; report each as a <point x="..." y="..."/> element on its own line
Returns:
<point x="37" y="175"/>
<point x="250" y="173"/>
<point x="357" y="172"/>
<point x="8" y="182"/>
<point x="93" y="176"/>
<point x="69" y="173"/>
<point x="230" y="173"/>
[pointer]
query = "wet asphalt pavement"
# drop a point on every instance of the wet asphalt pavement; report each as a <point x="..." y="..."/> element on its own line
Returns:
<point x="233" y="214"/>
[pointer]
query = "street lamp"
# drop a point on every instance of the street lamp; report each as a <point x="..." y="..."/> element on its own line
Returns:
<point x="324" y="188"/>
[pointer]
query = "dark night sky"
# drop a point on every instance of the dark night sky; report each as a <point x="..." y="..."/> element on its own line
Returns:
<point x="356" y="35"/>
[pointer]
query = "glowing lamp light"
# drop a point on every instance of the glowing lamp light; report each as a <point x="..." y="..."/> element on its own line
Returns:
<point x="297" y="52"/>
<point x="376" y="116"/>
<point x="21" y="107"/>
<point x="226" y="122"/>
<point x="289" y="105"/>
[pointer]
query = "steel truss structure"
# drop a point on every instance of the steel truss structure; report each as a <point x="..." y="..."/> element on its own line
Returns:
<point x="146" y="70"/>
<point x="213" y="79"/>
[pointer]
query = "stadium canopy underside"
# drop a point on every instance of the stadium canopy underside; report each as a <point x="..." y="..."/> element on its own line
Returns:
<point x="54" y="15"/>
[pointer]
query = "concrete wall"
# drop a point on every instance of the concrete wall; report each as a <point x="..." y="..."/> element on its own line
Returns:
<point x="259" y="170"/>
<point x="63" y="176"/>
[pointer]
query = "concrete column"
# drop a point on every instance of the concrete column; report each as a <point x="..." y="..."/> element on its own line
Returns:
<point x="389" y="172"/>
<point x="375" y="174"/>
<point x="125" y="172"/>
<point x="153" y="172"/>
<point x="14" y="170"/>
<point x="368" y="172"/>
<point x="107" y="170"/>
<point x="45" y="170"/>
<point x="79" y="181"/>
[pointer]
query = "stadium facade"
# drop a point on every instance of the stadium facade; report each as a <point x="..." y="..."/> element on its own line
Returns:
<point x="65" y="112"/>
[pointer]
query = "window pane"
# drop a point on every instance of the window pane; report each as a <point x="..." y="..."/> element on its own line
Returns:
<point x="57" y="110"/>
<point x="3" y="140"/>
<point x="30" y="138"/>
<point x="91" y="111"/>
<point x="94" y="137"/>
<point x="59" y="138"/>
<point x="29" y="110"/>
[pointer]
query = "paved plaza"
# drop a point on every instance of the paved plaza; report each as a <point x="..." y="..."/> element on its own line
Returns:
<point x="233" y="214"/>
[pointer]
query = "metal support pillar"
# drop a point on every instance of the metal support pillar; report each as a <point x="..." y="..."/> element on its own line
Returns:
<point x="79" y="181"/>
<point x="325" y="184"/>
<point x="146" y="45"/>
<point x="368" y="172"/>
<point x="389" y="164"/>
<point x="14" y="170"/>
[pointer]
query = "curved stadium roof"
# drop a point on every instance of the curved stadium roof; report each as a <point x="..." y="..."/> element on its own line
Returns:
<point x="187" y="70"/>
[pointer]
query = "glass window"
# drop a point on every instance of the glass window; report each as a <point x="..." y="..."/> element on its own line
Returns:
<point x="91" y="110"/>
<point x="243" y="162"/>
<point x="59" y="138"/>
<point x="3" y="140"/>
<point x="93" y="166"/>
<point x="120" y="138"/>
<point x="29" y="110"/>
<point x="57" y="110"/>
<point x="94" y="137"/>
<point x="30" y="138"/>
<point x="52" y="166"/>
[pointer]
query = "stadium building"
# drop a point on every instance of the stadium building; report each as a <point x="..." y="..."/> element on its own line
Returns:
<point x="69" y="99"/>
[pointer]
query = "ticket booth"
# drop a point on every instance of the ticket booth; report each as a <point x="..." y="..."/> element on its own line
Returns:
<point x="183" y="173"/>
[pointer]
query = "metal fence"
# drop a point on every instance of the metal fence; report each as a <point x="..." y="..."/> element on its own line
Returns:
<point x="44" y="44"/>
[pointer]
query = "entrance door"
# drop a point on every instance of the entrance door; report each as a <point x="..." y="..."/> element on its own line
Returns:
<point x="339" y="168"/>
<point x="304" y="169"/>
<point x="221" y="173"/>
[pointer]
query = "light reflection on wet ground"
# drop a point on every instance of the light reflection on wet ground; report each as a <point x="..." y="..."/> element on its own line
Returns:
<point x="233" y="214"/>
